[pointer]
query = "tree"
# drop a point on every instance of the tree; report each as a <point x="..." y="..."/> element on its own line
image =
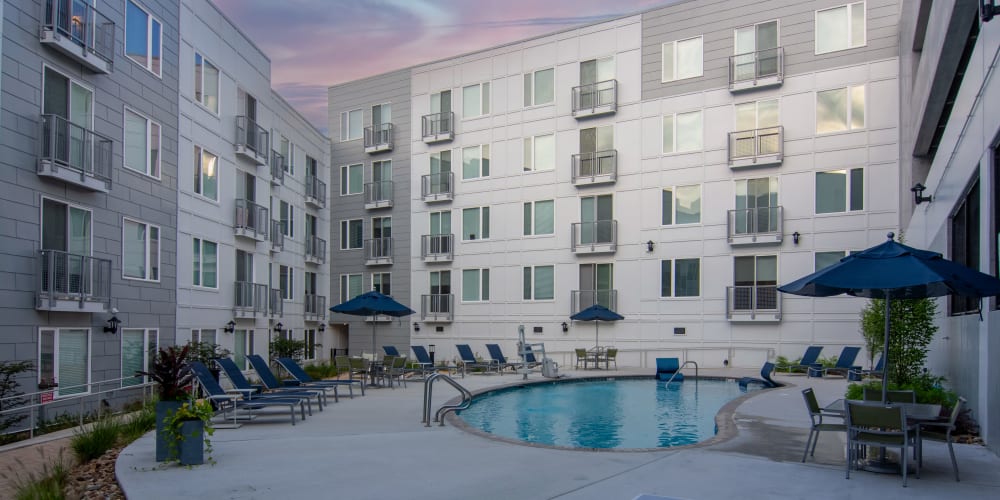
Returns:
<point x="911" y="329"/>
<point x="9" y="371"/>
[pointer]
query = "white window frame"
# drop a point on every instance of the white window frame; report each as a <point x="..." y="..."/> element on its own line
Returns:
<point x="345" y="228"/>
<point x="673" y="278"/>
<point x="534" y="281"/>
<point x="482" y="289"/>
<point x="345" y="188"/>
<point x="673" y="61"/>
<point x="56" y="394"/>
<point x="288" y="291"/>
<point x="287" y="225"/>
<point x="247" y="338"/>
<point x="673" y="138"/>
<point x="847" y="190"/>
<point x="198" y="263"/>
<point x="530" y="154"/>
<point x="850" y="109"/>
<point x="531" y="231"/>
<point x="152" y="167"/>
<point x="148" y="351"/>
<point x="484" y="161"/>
<point x="850" y="28"/>
<point x="673" y="207"/>
<point x="484" y="221"/>
<point x="68" y="206"/>
<point x="218" y="85"/>
<point x="345" y="285"/>
<point x="150" y="19"/>
<point x="198" y="335"/>
<point x="198" y="188"/>
<point x="146" y="251"/>
<point x="485" y="96"/>
<point x="531" y="83"/>
<point x="345" y="124"/>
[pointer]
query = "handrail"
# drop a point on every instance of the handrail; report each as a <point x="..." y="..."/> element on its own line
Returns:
<point x="671" y="379"/>
<point x="439" y="415"/>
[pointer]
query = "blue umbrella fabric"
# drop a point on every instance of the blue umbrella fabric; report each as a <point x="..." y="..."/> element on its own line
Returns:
<point x="371" y="304"/>
<point x="596" y="313"/>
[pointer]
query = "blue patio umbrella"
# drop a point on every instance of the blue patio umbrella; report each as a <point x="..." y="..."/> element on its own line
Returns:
<point x="596" y="313"/>
<point x="372" y="304"/>
<point x="892" y="270"/>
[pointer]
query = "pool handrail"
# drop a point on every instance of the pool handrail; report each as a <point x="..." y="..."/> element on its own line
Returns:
<point x="671" y="379"/>
<point x="439" y="415"/>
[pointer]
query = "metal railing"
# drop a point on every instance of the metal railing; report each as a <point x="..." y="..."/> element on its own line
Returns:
<point x="682" y="366"/>
<point x="756" y="143"/>
<point x="379" y="136"/>
<point x="444" y="409"/>
<point x="437" y="246"/>
<point x="84" y="25"/>
<point x="596" y="165"/>
<point x="251" y="136"/>
<point x="378" y="193"/>
<point x="437" y="124"/>
<point x="278" y="166"/>
<point x="277" y="235"/>
<point x="601" y="235"/>
<point x="72" y="277"/>
<point x="378" y="249"/>
<point x="275" y="303"/>
<point x="751" y="221"/>
<point x="600" y="97"/>
<point x="251" y="219"/>
<point x="437" y="306"/>
<point x="316" y="189"/>
<point x="439" y="185"/>
<point x="315" y="307"/>
<point x="759" y="65"/>
<point x="752" y="300"/>
<point x="315" y="248"/>
<point x="582" y="299"/>
<point x="68" y="145"/>
<point x="251" y="298"/>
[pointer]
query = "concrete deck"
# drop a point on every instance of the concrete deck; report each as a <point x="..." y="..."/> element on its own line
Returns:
<point x="376" y="447"/>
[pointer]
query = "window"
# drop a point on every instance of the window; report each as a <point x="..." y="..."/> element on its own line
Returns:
<point x="539" y="217"/>
<point x="840" y="109"/>
<point x="382" y="283"/>
<point x="351" y="234"/>
<point x="840" y="28"/>
<point x="476" y="100"/>
<point x="204" y="335"/>
<point x="205" y="263"/>
<point x="540" y="153"/>
<point x="682" y="59"/>
<point x="206" y="175"/>
<point x="142" y="37"/>
<point x="242" y="347"/>
<point x="681" y="205"/>
<point x="350" y="286"/>
<point x="680" y="278"/>
<point x="840" y="191"/>
<point x="142" y="144"/>
<point x="965" y="245"/>
<point x="755" y="50"/>
<point x="476" y="161"/>
<point x="539" y="87"/>
<point x="286" y="212"/>
<point x="68" y="229"/>
<point x="138" y="346"/>
<point x="71" y="101"/>
<point x="285" y="149"/>
<point x="755" y="278"/>
<point x="140" y="250"/>
<point x="475" y="285"/>
<point x="538" y="283"/>
<point x="206" y="83"/>
<point x="827" y="259"/>
<point x="310" y="349"/>
<point x="381" y="115"/>
<point x="597" y="286"/>
<point x="64" y="359"/>
<point x="757" y="115"/>
<point x="682" y="132"/>
<point x="352" y="179"/>
<point x="476" y="223"/>
<point x="351" y="125"/>
<point x="286" y="282"/>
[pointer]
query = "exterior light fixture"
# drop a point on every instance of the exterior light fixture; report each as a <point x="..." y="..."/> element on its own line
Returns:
<point x="278" y="327"/>
<point x="649" y="246"/>
<point x="230" y="327"/>
<point x="565" y="327"/>
<point x="918" y="194"/>
<point x="430" y="350"/>
<point x="795" y="237"/>
<point x="322" y="327"/>
<point x="113" y="324"/>
<point x="988" y="9"/>
<point x="416" y="326"/>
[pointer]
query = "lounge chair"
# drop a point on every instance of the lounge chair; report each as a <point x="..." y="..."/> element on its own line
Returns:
<point x="390" y="350"/>
<point x="271" y="381"/>
<point x="250" y="391"/>
<point x="941" y="431"/>
<point x="764" y="380"/>
<point x="496" y="354"/>
<point x="423" y="362"/>
<point x="877" y="425"/>
<point x="305" y="380"/>
<point x="216" y="393"/>
<point x="845" y="362"/>
<point x="469" y="360"/>
<point x="808" y="359"/>
<point x="816" y="415"/>
<point x="858" y="373"/>
<point x="667" y="368"/>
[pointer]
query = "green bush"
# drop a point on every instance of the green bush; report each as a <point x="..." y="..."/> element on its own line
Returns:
<point x="90" y="442"/>
<point x="46" y="484"/>
<point x="928" y="389"/>
<point x="321" y="371"/>
<point x="139" y="423"/>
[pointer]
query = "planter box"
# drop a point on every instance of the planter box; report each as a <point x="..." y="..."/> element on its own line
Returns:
<point x="191" y="449"/>
<point x="163" y="409"/>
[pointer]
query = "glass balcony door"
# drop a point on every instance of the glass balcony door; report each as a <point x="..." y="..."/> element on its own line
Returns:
<point x="593" y="140"/>
<point x="756" y="279"/>
<point x="755" y="47"/>
<point x="596" y="214"/>
<point x="756" y="205"/>
<point x="596" y="283"/>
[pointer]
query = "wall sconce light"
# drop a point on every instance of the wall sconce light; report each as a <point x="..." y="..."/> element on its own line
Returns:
<point x="322" y="327"/>
<point x="230" y="327"/>
<point x="795" y="237"/>
<point x="988" y="9"/>
<point x="416" y="326"/>
<point x="565" y="327"/>
<point x="649" y="246"/>
<point x="918" y="194"/>
<point x="113" y="323"/>
<point x="278" y="327"/>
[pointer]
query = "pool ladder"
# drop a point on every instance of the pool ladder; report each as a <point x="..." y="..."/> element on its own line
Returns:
<point x="439" y="415"/>
<point x="671" y="379"/>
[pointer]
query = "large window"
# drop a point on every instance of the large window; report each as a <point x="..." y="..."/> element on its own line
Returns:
<point x="350" y="286"/>
<point x="539" y="217"/>
<point x="681" y="205"/>
<point x="476" y="161"/>
<point x="539" y="87"/>
<point x="286" y="214"/>
<point x="68" y="229"/>
<point x="680" y="278"/>
<point x="476" y="223"/>
<point x="206" y="174"/>
<point x="351" y="234"/>
<point x="310" y="339"/>
<point x="840" y="191"/>
<point x="475" y="285"/>
<point x="205" y="265"/>
<point x="842" y="109"/>
<point x="206" y="83"/>
<point x="287" y="149"/>
<point x="682" y="132"/>
<point x="539" y="283"/>
<point x="682" y="59"/>
<point x="242" y="347"/>
<point x="476" y="100"/>
<point x="351" y="125"/>
<point x="64" y="359"/>
<point x="540" y="153"/>
<point x="965" y="245"/>
<point x="140" y="250"/>
<point x="138" y="346"/>
<point x="824" y="260"/>
<point x="840" y="28"/>
<point x="142" y="144"/>
<point x="142" y="37"/>
<point x="382" y="283"/>
<point x="352" y="179"/>
<point x="286" y="282"/>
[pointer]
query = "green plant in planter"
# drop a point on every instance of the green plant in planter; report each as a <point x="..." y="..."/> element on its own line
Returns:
<point x="176" y="435"/>
<point x="173" y="377"/>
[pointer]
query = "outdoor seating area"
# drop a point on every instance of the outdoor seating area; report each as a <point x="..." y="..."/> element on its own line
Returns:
<point x="597" y="356"/>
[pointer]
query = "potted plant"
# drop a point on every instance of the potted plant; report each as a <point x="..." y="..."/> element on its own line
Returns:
<point x="187" y="432"/>
<point x="169" y="369"/>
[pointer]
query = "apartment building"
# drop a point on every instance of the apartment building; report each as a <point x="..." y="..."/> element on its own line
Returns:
<point x="675" y="165"/>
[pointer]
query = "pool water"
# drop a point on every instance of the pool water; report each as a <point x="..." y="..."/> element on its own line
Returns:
<point x="610" y="413"/>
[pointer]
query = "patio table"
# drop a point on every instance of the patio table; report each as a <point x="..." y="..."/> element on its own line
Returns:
<point x="916" y="413"/>
<point x="596" y="355"/>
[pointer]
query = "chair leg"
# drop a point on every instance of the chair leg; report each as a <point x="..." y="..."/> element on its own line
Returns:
<point x="808" y="440"/>
<point x="815" y="440"/>
<point x="954" y="464"/>
<point x="850" y="457"/>
<point x="903" y="458"/>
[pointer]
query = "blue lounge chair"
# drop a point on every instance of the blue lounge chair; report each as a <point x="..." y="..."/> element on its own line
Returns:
<point x="469" y="360"/>
<point x="423" y="361"/>
<point x="250" y="391"/>
<point x="271" y="381"/>
<point x="390" y="350"/>
<point x="764" y="380"/>
<point x="808" y="359"/>
<point x="496" y="354"/>
<point x="216" y="393"/>
<point x="845" y="362"/>
<point x="304" y="380"/>
<point x="667" y="368"/>
<point x="859" y="373"/>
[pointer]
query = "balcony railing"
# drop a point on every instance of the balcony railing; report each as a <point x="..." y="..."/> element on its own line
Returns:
<point x="252" y="140"/>
<point x="438" y="127"/>
<point x="277" y="236"/>
<point x="315" y="307"/>
<point x="73" y="154"/>
<point x="753" y="303"/>
<point x="756" y="148"/>
<point x="582" y="299"/>
<point x="275" y="304"/>
<point x="278" y="166"/>
<point x="251" y="299"/>
<point x="315" y="250"/>
<point x="72" y="283"/>
<point x="762" y="68"/>
<point x="437" y="247"/>
<point x="437" y="187"/>
<point x="594" y="99"/>
<point x="595" y="237"/>
<point x="748" y="226"/>
<point x="378" y="138"/>
<point x="598" y="167"/>
<point x="437" y="307"/>
<point x="77" y="29"/>
<point x="251" y="221"/>
<point x="378" y="251"/>
<point x="379" y="194"/>
<point x="315" y="191"/>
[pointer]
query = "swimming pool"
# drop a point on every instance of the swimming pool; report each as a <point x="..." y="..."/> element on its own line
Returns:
<point x="607" y="413"/>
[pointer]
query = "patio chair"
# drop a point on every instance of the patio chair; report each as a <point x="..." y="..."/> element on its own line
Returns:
<point x="669" y="368"/>
<point x="390" y="350"/>
<point x="216" y="393"/>
<point x="611" y="357"/>
<point x="469" y="360"/>
<point x="872" y="394"/>
<point x="582" y="357"/>
<point x="305" y="380"/>
<point x="496" y="354"/>
<point x="271" y="381"/>
<point x="343" y="365"/>
<point x="808" y="359"/>
<point x="845" y="362"/>
<point x="876" y="425"/>
<point x="250" y="391"/>
<point x="423" y="362"/>
<point x="360" y="368"/>
<point x="764" y="380"/>
<point x="941" y="431"/>
<point x="816" y="415"/>
<point x="394" y="370"/>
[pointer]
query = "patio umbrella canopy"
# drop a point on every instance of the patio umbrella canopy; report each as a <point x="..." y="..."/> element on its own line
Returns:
<point x="892" y="270"/>
<point x="371" y="304"/>
<point x="596" y="313"/>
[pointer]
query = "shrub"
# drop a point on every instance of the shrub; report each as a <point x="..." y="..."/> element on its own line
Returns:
<point x="171" y="373"/>
<point x="911" y="329"/>
<point x="90" y="442"/>
<point x="46" y="484"/>
<point x="321" y="371"/>
<point x="928" y="389"/>
<point x="287" y="348"/>
<point x="9" y="371"/>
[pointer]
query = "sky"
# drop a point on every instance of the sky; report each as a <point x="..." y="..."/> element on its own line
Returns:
<point x="314" y="44"/>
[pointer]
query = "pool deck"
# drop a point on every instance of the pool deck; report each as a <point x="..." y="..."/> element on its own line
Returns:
<point x="375" y="447"/>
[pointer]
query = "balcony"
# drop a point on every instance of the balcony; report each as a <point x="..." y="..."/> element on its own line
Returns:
<point x="582" y="299"/>
<point x="72" y="283"/>
<point x="437" y="187"/>
<point x="80" y="31"/>
<point x="251" y="299"/>
<point x="315" y="250"/>
<point x="251" y="140"/>
<point x="73" y="154"/>
<point x="755" y="226"/>
<point x="600" y="167"/>
<point x="595" y="99"/>
<point x="378" y="251"/>
<point x="379" y="194"/>
<point x="251" y="221"/>
<point x="378" y="138"/>
<point x="315" y="192"/>
<point x="275" y="304"/>
<point x="437" y="307"/>
<point x="315" y="307"/>
<point x="754" y="70"/>
<point x="278" y="166"/>
<point x="753" y="303"/>
<point x="437" y="247"/>
<point x="437" y="127"/>
<point x="277" y="236"/>
<point x="756" y="148"/>
<point x="595" y="237"/>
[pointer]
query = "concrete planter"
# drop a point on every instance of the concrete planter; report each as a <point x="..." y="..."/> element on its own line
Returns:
<point x="164" y="409"/>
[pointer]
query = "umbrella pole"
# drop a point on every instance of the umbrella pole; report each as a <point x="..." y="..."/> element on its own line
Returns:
<point x="597" y="332"/>
<point x="885" y="353"/>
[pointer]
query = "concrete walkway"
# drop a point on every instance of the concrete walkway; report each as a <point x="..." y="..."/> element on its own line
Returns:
<point x="376" y="447"/>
